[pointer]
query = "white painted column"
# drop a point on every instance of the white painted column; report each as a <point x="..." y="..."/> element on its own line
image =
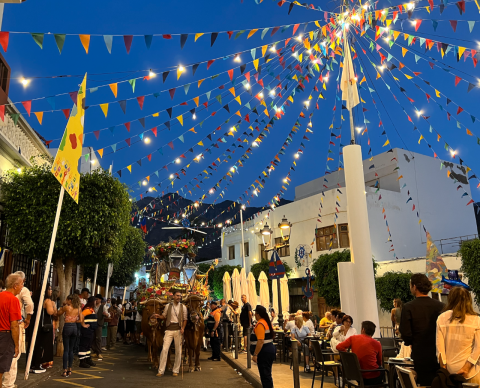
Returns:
<point x="363" y="291"/>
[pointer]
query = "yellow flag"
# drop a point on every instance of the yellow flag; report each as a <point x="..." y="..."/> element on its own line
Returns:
<point x="192" y="130"/>
<point x="200" y="82"/>
<point x="65" y="165"/>
<point x="232" y="90"/>
<point x="129" y="168"/>
<point x="408" y="76"/>
<point x="311" y="35"/>
<point x="421" y="137"/>
<point x="196" y="99"/>
<point x="255" y="63"/>
<point x="100" y="152"/>
<point x="400" y="177"/>
<point x="386" y="143"/>
<point x="198" y="35"/>
<point x="437" y="93"/>
<point x="180" y="119"/>
<point x="264" y="50"/>
<point x="469" y="132"/>
<point x="404" y="51"/>
<point x="200" y="143"/>
<point x="252" y="32"/>
<point x="395" y="34"/>
<point x="156" y="114"/>
<point x="363" y="80"/>
<point x="317" y="24"/>
<point x="39" y="117"/>
<point x="300" y="57"/>
<point x="461" y="50"/>
<point x="378" y="75"/>
<point x="104" y="108"/>
<point x="238" y="100"/>
<point x="290" y="98"/>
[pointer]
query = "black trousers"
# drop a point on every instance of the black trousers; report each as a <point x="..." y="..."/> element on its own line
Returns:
<point x="97" y="341"/>
<point x="215" y="344"/>
<point x="264" y="362"/>
<point x="375" y="381"/>
<point x="86" y="340"/>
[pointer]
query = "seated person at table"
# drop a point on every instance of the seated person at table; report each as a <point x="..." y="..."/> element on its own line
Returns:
<point x="338" y="322"/>
<point x="308" y="322"/>
<point x="290" y="324"/>
<point x="341" y="333"/>
<point x="368" y="351"/>
<point x="326" y="321"/>
<point x="300" y="332"/>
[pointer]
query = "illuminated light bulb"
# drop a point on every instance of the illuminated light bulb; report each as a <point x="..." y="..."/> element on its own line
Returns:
<point x="19" y="170"/>
<point x="323" y="43"/>
<point x="387" y="39"/>
<point x="175" y="221"/>
<point x="181" y="68"/>
<point x="177" y="160"/>
<point x="232" y="129"/>
<point x="194" y="116"/>
<point x="279" y="110"/>
<point x="365" y="6"/>
<point x="151" y="74"/>
<point x="345" y="13"/>
<point x="196" y="204"/>
<point x="25" y="82"/>
<point x="232" y="169"/>
<point x="272" y="48"/>
<point x="150" y="189"/>
<point x="254" y="144"/>
<point x="255" y="192"/>
<point x="247" y="86"/>
<point x="299" y="38"/>
<point x="210" y="191"/>
<point x="413" y="22"/>
<point x="144" y="183"/>
<point x="183" y="215"/>
<point x="347" y="25"/>
<point x="296" y="156"/>
<point x="381" y="67"/>
<point x="260" y="95"/>
<point x="273" y="206"/>
<point x="307" y="102"/>
<point x="285" y="180"/>
<point x="203" y="223"/>
<point x="453" y="153"/>
<point x="171" y="176"/>
<point x="130" y="199"/>
<point x="310" y="124"/>
<point x="146" y="140"/>
<point x="219" y="225"/>
<point x="237" y="58"/>
<point x="355" y="78"/>
<point x="359" y="129"/>
<point x="309" y="51"/>
<point x="419" y="112"/>
<point x="326" y="78"/>
<point x="272" y="93"/>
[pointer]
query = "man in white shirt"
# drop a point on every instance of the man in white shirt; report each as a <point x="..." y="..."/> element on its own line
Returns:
<point x="175" y="314"/>
<point x="26" y="304"/>
<point x="307" y="322"/>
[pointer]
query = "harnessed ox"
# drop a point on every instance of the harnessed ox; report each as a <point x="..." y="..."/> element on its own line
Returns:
<point x="154" y="329"/>
<point x="194" y="330"/>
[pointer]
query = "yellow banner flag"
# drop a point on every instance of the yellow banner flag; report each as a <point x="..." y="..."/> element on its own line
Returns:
<point x="114" y="89"/>
<point x="264" y="50"/>
<point x="437" y="93"/>
<point x="197" y="100"/>
<point x="200" y="143"/>
<point x="65" y="165"/>
<point x="180" y="119"/>
<point x="419" y="140"/>
<point x="85" y="39"/>
<point x="404" y="51"/>
<point x="232" y="90"/>
<point x="198" y="35"/>
<point x="238" y="100"/>
<point x="255" y="63"/>
<point x="200" y="82"/>
<point x="104" y="108"/>
<point x="129" y="168"/>
<point x="386" y="143"/>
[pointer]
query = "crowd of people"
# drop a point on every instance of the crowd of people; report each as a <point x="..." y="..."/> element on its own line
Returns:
<point x="84" y="318"/>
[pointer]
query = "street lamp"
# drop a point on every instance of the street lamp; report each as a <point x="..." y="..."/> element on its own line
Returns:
<point x="284" y="226"/>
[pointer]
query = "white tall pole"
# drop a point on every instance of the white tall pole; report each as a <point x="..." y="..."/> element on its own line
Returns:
<point x="243" y="241"/>
<point x="124" y="293"/>
<point x="94" y="291"/>
<point x="44" y="283"/>
<point x="364" y="295"/>
<point x="109" y="273"/>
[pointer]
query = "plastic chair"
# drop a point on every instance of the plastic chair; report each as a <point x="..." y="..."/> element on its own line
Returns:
<point x="390" y="342"/>
<point x="352" y="374"/>
<point x="320" y="362"/>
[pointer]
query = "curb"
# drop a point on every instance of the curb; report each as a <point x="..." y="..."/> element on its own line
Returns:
<point x="247" y="374"/>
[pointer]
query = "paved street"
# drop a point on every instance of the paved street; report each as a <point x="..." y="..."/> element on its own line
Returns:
<point x="127" y="366"/>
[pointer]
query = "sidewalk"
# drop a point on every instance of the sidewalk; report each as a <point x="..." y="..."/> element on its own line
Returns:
<point x="282" y="375"/>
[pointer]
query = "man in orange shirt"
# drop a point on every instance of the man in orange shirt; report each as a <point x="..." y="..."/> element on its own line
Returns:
<point x="10" y="315"/>
<point x="213" y="321"/>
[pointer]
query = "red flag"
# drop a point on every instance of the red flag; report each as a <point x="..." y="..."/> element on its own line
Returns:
<point x="4" y="36"/>
<point x="127" y="125"/>
<point x="154" y="130"/>
<point x="230" y="74"/>
<point x="140" y="100"/>
<point x="28" y="106"/>
<point x="66" y="112"/>
<point x="209" y="63"/>
<point x="2" y="112"/>
<point x="172" y="93"/>
<point x="128" y="141"/>
<point x="171" y="145"/>
<point x="459" y="110"/>
<point x="96" y="133"/>
<point x="457" y="80"/>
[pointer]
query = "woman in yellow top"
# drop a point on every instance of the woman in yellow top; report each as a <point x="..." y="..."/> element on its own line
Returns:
<point x="262" y="347"/>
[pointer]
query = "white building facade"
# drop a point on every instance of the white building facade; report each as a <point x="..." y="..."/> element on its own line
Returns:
<point x="391" y="179"/>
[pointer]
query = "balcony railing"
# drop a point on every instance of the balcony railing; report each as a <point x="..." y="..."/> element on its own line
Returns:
<point x="452" y="244"/>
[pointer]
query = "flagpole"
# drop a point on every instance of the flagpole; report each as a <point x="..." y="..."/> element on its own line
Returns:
<point x="363" y="302"/>
<point x="44" y="283"/>
<point x="95" y="280"/>
<point x="243" y="241"/>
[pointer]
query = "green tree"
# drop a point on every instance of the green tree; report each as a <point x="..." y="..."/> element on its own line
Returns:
<point x="470" y="252"/>
<point x="264" y="265"/>
<point x="325" y="270"/>
<point x="92" y="231"/>
<point x="129" y="262"/>
<point x="218" y="273"/>
<point x="393" y="285"/>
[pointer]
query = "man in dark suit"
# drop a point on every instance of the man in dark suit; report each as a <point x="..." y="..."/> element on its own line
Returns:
<point x="101" y="312"/>
<point x="418" y="325"/>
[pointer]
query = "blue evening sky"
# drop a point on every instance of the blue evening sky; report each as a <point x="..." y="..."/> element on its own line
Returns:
<point x="176" y="17"/>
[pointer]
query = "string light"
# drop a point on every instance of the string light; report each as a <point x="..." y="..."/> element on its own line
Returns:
<point x="237" y="58"/>
<point x="181" y="68"/>
<point x="151" y="74"/>
<point x="273" y="48"/>
<point x="146" y="140"/>
<point x="25" y="82"/>
<point x="254" y="144"/>
<point x="359" y="129"/>
<point x="171" y="176"/>
<point x="194" y="116"/>
<point x="19" y="170"/>
<point x="144" y="183"/>
<point x="211" y="191"/>
<point x="247" y="86"/>
<point x="177" y="160"/>
<point x="260" y="95"/>
<point x="272" y="93"/>
<point x="296" y="156"/>
<point x="299" y="38"/>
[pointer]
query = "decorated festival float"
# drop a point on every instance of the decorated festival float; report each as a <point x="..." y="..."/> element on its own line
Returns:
<point x="174" y="269"/>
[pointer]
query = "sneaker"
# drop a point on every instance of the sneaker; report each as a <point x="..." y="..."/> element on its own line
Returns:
<point x="37" y="371"/>
<point x="307" y="369"/>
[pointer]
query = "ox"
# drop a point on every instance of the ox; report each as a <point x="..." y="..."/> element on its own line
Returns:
<point x="194" y="330"/>
<point x="153" y="329"/>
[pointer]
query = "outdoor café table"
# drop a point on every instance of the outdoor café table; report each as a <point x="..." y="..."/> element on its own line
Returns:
<point x="392" y="363"/>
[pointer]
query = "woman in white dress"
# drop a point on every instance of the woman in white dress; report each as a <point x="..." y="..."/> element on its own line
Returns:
<point x="458" y="336"/>
<point x="341" y="333"/>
